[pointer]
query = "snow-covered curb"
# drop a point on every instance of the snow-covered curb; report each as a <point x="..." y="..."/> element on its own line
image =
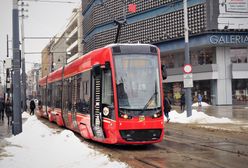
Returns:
<point x="197" y="117"/>
<point x="39" y="146"/>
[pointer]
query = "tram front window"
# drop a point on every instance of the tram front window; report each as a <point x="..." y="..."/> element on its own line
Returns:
<point x="137" y="80"/>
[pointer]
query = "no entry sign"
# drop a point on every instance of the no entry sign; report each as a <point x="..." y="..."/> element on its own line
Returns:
<point x="187" y="68"/>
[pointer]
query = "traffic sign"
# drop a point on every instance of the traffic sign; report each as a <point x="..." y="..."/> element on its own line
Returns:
<point x="188" y="80"/>
<point x="187" y="68"/>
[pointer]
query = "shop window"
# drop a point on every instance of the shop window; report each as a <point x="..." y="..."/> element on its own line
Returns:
<point x="239" y="55"/>
<point x="240" y="91"/>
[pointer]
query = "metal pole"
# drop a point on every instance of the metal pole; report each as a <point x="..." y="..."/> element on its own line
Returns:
<point x="23" y="65"/>
<point x="7" y="72"/>
<point x="17" y="118"/>
<point x="37" y="83"/>
<point x="188" y="96"/>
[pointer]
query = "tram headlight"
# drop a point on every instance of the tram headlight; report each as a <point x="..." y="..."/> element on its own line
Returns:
<point x="124" y="115"/>
<point x="157" y="114"/>
<point x="105" y="111"/>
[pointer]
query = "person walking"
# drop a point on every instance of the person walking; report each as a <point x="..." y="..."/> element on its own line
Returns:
<point x="32" y="107"/>
<point x="2" y="105"/>
<point x="8" y="111"/>
<point x="182" y="102"/>
<point x="199" y="98"/>
<point x="167" y="108"/>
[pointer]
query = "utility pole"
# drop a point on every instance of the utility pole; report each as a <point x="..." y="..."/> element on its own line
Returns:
<point x="7" y="73"/>
<point x="188" y="96"/>
<point x="17" y="118"/>
<point x="23" y="57"/>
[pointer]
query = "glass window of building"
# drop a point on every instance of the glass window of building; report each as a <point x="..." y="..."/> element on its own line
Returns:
<point x="204" y="56"/>
<point x="239" y="55"/>
<point x="199" y="56"/>
<point x="240" y="91"/>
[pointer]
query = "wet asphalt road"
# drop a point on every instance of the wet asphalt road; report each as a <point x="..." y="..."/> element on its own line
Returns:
<point x="184" y="145"/>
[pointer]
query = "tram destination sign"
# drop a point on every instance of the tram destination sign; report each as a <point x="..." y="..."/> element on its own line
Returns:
<point x="228" y="39"/>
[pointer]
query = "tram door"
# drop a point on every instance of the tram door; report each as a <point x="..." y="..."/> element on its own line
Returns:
<point x="96" y="103"/>
<point x="65" y="102"/>
<point x="74" y="103"/>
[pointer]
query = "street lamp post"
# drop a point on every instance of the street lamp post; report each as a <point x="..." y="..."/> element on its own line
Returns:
<point x="188" y="97"/>
<point x="24" y="106"/>
<point x="17" y="119"/>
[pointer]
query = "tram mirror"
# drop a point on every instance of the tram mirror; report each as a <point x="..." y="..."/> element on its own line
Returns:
<point x="107" y="65"/>
<point x="164" y="72"/>
<point x="96" y="70"/>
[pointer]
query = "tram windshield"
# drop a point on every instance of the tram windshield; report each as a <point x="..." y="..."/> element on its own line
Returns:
<point x="137" y="80"/>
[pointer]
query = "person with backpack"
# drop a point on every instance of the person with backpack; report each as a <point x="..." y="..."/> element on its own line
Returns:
<point x="32" y="107"/>
<point x="8" y="111"/>
<point x="167" y="108"/>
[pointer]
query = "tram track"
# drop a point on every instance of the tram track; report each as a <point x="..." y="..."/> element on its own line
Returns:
<point x="216" y="142"/>
<point x="183" y="146"/>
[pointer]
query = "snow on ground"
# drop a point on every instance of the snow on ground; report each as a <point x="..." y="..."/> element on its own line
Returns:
<point x="197" y="117"/>
<point x="40" y="147"/>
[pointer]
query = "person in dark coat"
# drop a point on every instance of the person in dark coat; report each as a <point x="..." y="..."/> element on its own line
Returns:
<point x="182" y="101"/>
<point x="2" y="106"/>
<point x="167" y="108"/>
<point x="8" y="111"/>
<point x="32" y="107"/>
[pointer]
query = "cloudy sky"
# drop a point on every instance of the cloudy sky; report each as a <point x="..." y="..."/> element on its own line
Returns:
<point x="45" y="19"/>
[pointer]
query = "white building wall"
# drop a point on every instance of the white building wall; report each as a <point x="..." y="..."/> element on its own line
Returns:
<point x="224" y="81"/>
<point x="233" y="14"/>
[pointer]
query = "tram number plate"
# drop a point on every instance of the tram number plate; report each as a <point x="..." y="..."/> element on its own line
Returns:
<point x="141" y="118"/>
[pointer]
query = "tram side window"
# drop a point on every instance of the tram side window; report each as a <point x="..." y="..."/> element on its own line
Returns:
<point x="65" y="94"/>
<point x="43" y="95"/>
<point x="83" y="93"/>
<point x="54" y="95"/>
<point x="74" y="93"/>
<point x="69" y="105"/>
<point x="57" y="95"/>
<point x="49" y="91"/>
<point x="107" y="89"/>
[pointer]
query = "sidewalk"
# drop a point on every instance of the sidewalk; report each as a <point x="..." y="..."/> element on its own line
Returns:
<point x="5" y="129"/>
<point x="5" y="132"/>
<point x="236" y="113"/>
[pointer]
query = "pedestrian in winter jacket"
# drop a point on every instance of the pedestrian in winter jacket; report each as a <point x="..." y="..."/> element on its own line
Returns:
<point x="167" y="108"/>
<point x="2" y="106"/>
<point x="32" y="107"/>
<point x="8" y="111"/>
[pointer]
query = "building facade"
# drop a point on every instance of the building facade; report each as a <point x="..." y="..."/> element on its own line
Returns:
<point x="65" y="46"/>
<point x="218" y="41"/>
<point x="33" y="77"/>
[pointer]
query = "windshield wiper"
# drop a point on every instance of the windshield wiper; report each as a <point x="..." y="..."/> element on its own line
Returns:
<point x="152" y="97"/>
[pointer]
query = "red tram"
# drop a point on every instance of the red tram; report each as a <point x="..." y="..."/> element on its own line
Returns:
<point x="111" y="95"/>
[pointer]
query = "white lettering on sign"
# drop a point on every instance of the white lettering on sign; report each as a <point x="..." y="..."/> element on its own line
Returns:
<point x="229" y="39"/>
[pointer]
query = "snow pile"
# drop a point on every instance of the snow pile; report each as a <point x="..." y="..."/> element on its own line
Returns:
<point x="197" y="117"/>
<point x="39" y="146"/>
<point x="203" y="104"/>
<point x="25" y="115"/>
